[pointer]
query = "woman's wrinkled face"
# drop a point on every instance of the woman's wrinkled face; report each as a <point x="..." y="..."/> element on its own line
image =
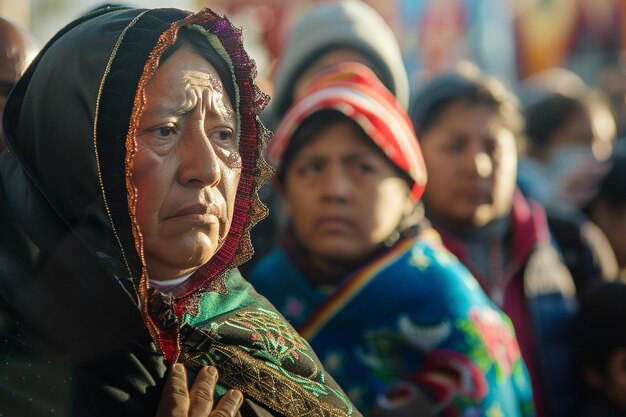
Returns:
<point x="186" y="166"/>
<point x="471" y="159"/>
<point x="343" y="196"/>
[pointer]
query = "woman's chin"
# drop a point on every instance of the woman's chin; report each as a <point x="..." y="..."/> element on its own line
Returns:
<point x="176" y="264"/>
<point x="343" y="252"/>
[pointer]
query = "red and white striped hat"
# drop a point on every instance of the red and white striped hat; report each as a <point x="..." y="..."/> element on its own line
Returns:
<point x="354" y="90"/>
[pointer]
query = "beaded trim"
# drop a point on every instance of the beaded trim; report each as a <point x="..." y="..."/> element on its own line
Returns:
<point x="97" y="154"/>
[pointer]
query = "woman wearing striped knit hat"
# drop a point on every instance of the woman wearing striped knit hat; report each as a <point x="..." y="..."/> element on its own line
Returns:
<point x="401" y="324"/>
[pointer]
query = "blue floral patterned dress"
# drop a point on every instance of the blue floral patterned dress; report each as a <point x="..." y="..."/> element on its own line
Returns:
<point x="409" y="314"/>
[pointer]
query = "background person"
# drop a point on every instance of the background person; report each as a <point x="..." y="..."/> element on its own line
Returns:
<point x="402" y="324"/>
<point x="467" y="125"/>
<point x="17" y="49"/>
<point x="330" y="33"/>
<point x="569" y="138"/>
<point x="324" y="35"/>
<point x="569" y="135"/>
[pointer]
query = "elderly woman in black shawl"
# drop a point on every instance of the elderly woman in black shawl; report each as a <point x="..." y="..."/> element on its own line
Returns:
<point x="128" y="191"/>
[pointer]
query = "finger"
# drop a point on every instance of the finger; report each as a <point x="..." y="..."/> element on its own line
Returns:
<point x="229" y="404"/>
<point x="201" y="394"/>
<point x="175" y="398"/>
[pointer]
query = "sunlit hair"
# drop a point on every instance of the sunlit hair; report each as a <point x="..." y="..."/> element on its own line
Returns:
<point x="546" y="116"/>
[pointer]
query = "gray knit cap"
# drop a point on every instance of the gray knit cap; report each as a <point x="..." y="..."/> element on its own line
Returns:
<point x="345" y="23"/>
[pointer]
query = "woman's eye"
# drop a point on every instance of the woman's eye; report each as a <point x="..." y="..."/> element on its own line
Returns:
<point x="363" y="167"/>
<point x="310" y="168"/>
<point x="223" y="135"/>
<point x="454" y="146"/>
<point x="164" y="132"/>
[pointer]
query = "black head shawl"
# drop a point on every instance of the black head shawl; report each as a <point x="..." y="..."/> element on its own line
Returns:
<point x="71" y="269"/>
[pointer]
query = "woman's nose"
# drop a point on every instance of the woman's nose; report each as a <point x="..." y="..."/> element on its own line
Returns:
<point x="199" y="162"/>
<point x="336" y="184"/>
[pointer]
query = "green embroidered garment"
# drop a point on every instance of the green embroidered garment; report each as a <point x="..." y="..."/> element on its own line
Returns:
<point x="257" y="351"/>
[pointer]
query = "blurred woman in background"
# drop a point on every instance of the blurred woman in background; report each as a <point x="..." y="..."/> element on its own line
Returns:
<point x="468" y="125"/>
<point x="403" y="325"/>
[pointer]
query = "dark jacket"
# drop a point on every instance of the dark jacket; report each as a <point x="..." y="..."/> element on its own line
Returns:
<point x="587" y="253"/>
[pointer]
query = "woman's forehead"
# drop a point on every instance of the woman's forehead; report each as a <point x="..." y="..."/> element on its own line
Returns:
<point x="466" y="116"/>
<point x="181" y="82"/>
<point x="187" y="65"/>
<point x="340" y="138"/>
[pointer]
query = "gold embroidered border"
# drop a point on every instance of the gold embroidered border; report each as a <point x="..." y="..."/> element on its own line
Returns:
<point x="107" y="69"/>
<point x="166" y="39"/>
<point x="269" y="386"/>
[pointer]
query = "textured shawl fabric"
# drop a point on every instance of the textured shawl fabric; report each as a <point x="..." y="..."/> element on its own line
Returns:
<point x="82" y="333"/>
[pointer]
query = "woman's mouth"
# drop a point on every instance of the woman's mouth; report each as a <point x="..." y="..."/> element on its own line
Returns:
<point x="198" y="212"/>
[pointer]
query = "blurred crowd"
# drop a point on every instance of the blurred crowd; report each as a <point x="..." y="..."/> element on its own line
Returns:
<point x="446" y="230"/>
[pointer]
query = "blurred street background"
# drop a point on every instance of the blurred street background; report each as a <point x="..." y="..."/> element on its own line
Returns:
<point x="511" y="39"/>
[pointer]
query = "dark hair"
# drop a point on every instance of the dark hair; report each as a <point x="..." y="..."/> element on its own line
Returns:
<point x="601" y="324"/>
<point x="547" y="116"/>
<point x="432" y="99"/>
<point x="199" y="43"/>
